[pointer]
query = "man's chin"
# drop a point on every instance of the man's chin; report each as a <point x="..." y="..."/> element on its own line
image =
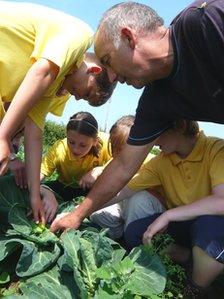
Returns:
<point x="137" y="85"/>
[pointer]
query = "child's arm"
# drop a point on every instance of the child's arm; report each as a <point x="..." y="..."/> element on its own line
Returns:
<point x="37" y="80"/>
<point x="210" y="205"/>
<point x="88" y="179"/>
<point x="33" y="149"/>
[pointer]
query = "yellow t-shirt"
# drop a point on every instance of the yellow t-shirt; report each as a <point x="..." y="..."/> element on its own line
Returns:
<point x="182" y="181"/>
<point x="68" y="167"/>
<point x="29" y="32"/>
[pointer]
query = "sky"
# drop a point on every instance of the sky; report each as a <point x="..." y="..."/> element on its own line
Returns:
<point x="125" y="98"/>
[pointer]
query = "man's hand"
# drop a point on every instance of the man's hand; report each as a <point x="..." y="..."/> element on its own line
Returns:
<point x="65" y="221"/>
<point x="50" y="204"/>
<point x="4" y="155"/>
<point x="17" y="167"/>
<point x="158" y="226"/>
<point x="38" y="210"/>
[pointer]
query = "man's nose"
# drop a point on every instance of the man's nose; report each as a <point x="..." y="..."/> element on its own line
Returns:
<point x="112" y="75"/>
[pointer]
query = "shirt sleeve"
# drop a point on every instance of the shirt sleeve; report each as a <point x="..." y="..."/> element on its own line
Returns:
<point x="56" y="43"/>
<point x="39" y="111"/>
<point x="146" y="177"/>
<point x="148" y="123"/>
<point x="105" y="151"/>
<point x="217" y="164"/>
<point x="49" y="161"/>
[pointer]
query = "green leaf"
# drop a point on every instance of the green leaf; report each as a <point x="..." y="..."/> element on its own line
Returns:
<point x="149" y="275"/>
<point x="24" y="227"/>
<point x="52" y="284"/>
<point x="71" y="258"/>
<point x="4" y="277"/>
<point x="88" y="264"/>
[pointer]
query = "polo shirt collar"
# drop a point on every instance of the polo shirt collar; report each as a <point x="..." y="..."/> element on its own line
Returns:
<point x="196" y="154"/>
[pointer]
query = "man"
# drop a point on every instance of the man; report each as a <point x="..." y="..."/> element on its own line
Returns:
<point x="182" y="68"/>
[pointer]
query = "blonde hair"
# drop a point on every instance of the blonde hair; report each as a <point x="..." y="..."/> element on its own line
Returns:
<point x="189" y="128"/>
<point x="119" y="133"/>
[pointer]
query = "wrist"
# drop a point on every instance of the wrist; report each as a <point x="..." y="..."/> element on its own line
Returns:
<point x="168" y="215"/>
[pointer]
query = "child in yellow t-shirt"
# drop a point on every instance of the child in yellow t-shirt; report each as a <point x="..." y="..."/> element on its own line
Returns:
<point x="133" y="206"/>
<point x="83" y="149"/>
<point x="189" y="173"/>
<point x="42" y="50"/>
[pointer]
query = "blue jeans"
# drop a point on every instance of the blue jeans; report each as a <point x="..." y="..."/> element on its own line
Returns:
<point x="206" y="232"/>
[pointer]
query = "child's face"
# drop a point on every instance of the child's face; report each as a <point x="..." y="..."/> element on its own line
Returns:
<point x="82" y="85"/>
<point x="169" y="141"/>
<point x="79" y="144"/>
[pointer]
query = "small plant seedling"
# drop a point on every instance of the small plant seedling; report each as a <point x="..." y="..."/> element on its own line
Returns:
<point x="38" y="228"/>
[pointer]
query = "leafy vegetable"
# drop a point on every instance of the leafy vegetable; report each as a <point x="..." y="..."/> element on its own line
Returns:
<point x="81" y="264"/>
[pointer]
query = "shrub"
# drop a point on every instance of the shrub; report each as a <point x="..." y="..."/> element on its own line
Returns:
<point x="52" y="133"/>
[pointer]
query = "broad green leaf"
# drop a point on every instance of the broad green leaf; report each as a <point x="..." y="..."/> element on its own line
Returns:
<point x="11" y="194"/>
<point x="67" y="206"/>
<point x="36" y="260"/>
<point x="71" y="258"/>
<point x="32" y="259"/>
<point x="149" y="275"/>
<point x="104" y="294"/>
<point x="7" y="246"/>
<point x="88" y="264"/>
<point x="101" y="245"/>
<point x="4" y="277"/>
<point x="19" y="220"/>
<point x="54" y="284"/>
<point x="24" y="227"/>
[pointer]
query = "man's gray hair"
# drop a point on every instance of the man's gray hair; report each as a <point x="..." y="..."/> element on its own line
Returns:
<point x="135" y="15"/>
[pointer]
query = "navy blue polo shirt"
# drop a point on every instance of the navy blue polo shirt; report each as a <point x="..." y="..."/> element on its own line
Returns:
<point x="195" y="88"/>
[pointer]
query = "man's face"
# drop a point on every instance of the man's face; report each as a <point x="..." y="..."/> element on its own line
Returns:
<point x="125" y="64"/>
<point x="82" y="85"/>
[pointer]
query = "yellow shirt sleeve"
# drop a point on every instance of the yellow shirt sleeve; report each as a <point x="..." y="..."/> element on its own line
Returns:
<point x="49" y="161"/>
<point x="104" y="151"/>
<point x="146" y="177"/>
<point x="217" y="164"/>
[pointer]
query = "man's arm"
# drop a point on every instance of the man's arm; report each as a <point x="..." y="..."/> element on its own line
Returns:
<point x="112" y="180"/>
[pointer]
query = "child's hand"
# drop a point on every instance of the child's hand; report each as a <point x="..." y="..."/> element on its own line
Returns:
<point x="4" y="155"/>
<point x="158" y="226"/>
<point x="90" y="177"/>
<point x="50" y="204"/>
<point x="37" y="209"/>
<point x="17" y="167"/>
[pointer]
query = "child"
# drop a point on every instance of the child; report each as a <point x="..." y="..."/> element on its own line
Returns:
<point x="82" y="150"/>
<point x="189" y="172"/>
<point x="116" y="217"/>
<point x="42" y="51"/>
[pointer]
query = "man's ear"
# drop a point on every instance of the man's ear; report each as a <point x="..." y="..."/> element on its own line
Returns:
<point x="128" y="35"/>
<point x="94" y="69"/>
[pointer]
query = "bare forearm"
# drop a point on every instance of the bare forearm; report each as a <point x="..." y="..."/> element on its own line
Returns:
<point x="126" y="192"/>
<point x="112" y="180"/>
<point x="33" y="149"/>
<point x="211" y="205"/>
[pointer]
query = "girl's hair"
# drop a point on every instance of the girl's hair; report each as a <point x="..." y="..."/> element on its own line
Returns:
<point x="119" y="133"/>
<point x="86" y="124"/>
<point x="189" y="128"/>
